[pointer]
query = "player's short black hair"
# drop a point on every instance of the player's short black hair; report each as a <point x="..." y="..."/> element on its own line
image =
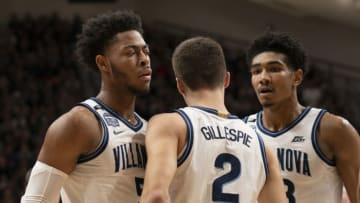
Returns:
<point x="282" y="43"/>
<point x="98" y="32"/>
<point x="200" y="63"/>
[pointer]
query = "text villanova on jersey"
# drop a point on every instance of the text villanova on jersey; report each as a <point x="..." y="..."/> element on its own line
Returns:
<point x="294" y="160"/>
<point x="129" y="155"/>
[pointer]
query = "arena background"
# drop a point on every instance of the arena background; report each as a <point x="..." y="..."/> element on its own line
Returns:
<point x="40" y="80"/>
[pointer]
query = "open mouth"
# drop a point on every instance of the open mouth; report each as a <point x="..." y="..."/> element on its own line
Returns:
<point x="265" y="90"/>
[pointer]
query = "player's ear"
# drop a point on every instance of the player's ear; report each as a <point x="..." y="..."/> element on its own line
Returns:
<point x="227" y="79"/>
<point x="101" y="63"/>
<point x="298" y="76"/>
<point x="180" y="86"/>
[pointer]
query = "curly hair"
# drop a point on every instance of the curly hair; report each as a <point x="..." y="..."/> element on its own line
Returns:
<point x="98" y="33"/>
<point x="282" y="43"/>
<point x="200" y="63"/>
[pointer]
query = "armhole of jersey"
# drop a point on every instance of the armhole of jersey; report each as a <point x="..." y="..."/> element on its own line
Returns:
<point x="263" y="154"/>
<point x="104" y="139"/>
<point x="190" y="135"/>
<point x="314" y="140"/>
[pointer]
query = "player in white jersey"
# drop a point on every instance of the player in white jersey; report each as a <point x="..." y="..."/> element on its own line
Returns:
<point x="303" y="166"/>
<point x="317" y="150"/>
<point x="95" y="152"/>
<point x="116" y="166"/>
<point x="202" y="153"/>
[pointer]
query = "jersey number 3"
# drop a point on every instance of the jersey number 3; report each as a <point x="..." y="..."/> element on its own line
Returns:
<point x="217" y="193"/>
<point x="290" y="190"/>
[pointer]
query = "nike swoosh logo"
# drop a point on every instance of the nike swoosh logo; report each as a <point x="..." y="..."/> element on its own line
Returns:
<point x="117" y="132"/>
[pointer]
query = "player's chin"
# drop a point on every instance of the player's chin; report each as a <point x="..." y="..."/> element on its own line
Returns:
<point x="143" y="90"/>
<point x="265" y="103"/>
<point x="264" y="100"/>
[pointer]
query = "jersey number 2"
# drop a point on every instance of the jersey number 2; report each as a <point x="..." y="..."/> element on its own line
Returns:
<point x="217" y="193"/>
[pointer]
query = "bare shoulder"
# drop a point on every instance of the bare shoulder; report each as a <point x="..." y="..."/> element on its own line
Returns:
<point x="79" y="127"/>
<point x="77" y="120"/>
<point x="77" y="131"/>
<point x="172" y="120"/>
<point x="166" y="124"/>
<point x="336" y="131"/>
<point x="333" y="124"/>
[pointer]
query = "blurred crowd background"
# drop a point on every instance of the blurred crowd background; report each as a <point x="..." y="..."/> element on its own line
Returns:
<point x="40" y="80"/>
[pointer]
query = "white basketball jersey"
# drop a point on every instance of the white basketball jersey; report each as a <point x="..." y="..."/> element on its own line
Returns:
<point x="115" y="171"/>
<point x="309" y="176"/>
<point x="223" y="161"/>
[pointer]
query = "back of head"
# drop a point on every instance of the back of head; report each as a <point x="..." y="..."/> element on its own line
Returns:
<point x="200" y="63"/>
<point x="280" y="43"/>
<point x="98" y="33"/>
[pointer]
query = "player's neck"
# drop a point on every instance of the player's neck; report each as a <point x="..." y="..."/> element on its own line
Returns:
<point x="122" y="104"/>
<point x="206" y="98"/>
<point x="278" y="117"/>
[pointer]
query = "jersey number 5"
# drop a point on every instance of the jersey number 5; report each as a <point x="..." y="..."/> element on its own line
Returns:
<point x="139" y="182"/>
<point x="217" y="193"/>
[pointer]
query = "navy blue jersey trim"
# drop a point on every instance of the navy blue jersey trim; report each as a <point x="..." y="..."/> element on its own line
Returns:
<point x="263" y="154"/>
<point x="104" y="140"/>
<point x="135" y="127"/>
<point x="190" y="137"/>
<point x="314" y="140"/>
<point x="277" y="133"/>
<point x="245" y="119"/>
<point x="214" y="111"/>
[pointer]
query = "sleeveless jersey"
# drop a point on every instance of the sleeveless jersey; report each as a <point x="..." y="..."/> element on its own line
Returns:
<point x="114" y="172"/>
<point x="309" y="176"/>
<point x="223" y="161"/>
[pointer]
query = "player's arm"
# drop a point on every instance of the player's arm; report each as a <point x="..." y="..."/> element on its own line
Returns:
<point x="273" y="190"/>
<point x="163" y="139"/>
<point x="71" y="135"/>
<point x="344" y="143"/>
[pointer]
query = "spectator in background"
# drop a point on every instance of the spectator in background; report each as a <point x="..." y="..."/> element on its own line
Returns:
<point x="312" y="90"/>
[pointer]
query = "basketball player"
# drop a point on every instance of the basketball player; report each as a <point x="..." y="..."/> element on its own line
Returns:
<point x="318" y="151"/>
<point x="95" y="152"/>
<point x="202" y="153"/>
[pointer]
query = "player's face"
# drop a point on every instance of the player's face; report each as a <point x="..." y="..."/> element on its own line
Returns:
<point x="272" y="80"/>
<point x="130" y="62"/>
